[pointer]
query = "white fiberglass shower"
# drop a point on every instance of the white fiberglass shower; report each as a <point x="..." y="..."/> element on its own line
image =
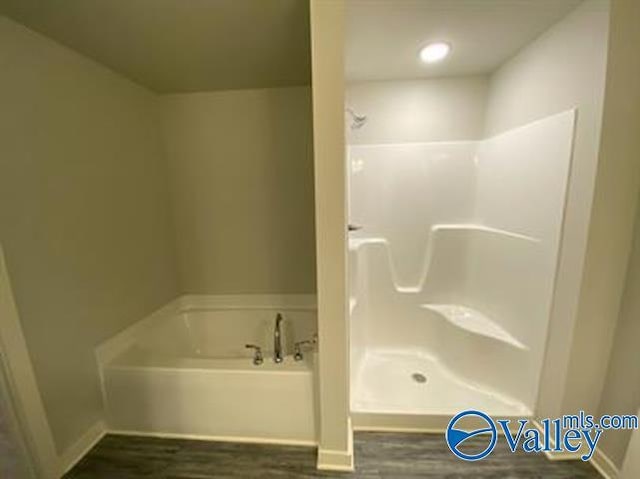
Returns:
<point x="452" y="270"/>
<point x="466" y="177"/>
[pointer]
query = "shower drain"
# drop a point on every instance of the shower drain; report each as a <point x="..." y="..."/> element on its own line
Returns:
<point x="419" y="378"/>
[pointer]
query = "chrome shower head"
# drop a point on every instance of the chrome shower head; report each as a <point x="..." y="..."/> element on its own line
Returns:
<point x="357" y="121"/>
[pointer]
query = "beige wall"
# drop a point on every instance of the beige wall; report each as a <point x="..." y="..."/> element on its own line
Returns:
<point x="621" y="392"/>
<point x="616" y="205"/>
<point x="563" y="69"/>
<point x="438" y="109"/>
<point x="241" y="170"/>
<point x="631" y="465"/>
<point x="83" y="214"/>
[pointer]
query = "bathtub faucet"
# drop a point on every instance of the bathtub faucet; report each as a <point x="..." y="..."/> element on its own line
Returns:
<point x="278" y="356"/>
<point x="257" y="354"/>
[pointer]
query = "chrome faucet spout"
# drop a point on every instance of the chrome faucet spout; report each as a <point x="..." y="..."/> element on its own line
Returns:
<point x="278" y="355"/>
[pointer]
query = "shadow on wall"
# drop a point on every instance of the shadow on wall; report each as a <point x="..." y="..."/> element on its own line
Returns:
<point x="241" y="173"/>
<point x="621" y="392"/>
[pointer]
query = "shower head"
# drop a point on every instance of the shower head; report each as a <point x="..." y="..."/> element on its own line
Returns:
<point x="357" y="121"/>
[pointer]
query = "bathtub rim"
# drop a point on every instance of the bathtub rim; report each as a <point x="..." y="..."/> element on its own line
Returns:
<point x="114" y="346"/>
<point x="140" y="359"/>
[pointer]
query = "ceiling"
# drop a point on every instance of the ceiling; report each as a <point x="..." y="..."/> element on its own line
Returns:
<point x="385" y="36"/>
<point x="181" y="45"/>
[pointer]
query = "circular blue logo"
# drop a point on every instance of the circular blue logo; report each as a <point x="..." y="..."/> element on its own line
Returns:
<point x="457" y="437"/>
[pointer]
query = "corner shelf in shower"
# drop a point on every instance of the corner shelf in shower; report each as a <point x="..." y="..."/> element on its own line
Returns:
<point x="473" y="321"/>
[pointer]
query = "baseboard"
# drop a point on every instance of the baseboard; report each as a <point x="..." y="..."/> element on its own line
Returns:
<point x="411" y="423"/>
<point x="197" y="437"/>
<point x="337" y="460"/>
<point x="329" y="460"/>
<point x="563" y="456"/>
<point x="74" y="453"/>
<point x="604" y="465"/>
<point x="400" y="422"/>
<point x="558" y="455"/>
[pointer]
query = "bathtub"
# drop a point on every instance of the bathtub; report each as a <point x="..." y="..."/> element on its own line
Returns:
<point x="184" y="372"/>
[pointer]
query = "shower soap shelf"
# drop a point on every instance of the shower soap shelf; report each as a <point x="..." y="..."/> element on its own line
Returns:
<point x="473" y="321"/>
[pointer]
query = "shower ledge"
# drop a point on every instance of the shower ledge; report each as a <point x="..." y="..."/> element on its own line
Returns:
<point x="473" y="321"/>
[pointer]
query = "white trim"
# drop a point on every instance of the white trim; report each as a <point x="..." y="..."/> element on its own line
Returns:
<point x="412" y="423"/>
<point x="559" y="455"/>
<point x="330" y="460"/>
<point x="22" y="382"/>
<point x="389" y="422"/>
<point x="337" y="460"/>
<point x="394" y="429"/>
<point x="200" y="437"/>
<point x="74" y="453"/>
<point x="555" y="455"/>
<point x="604" y="465"/>
<point x="333" y="460"/>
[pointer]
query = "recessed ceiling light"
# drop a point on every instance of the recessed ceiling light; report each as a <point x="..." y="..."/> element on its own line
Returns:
<point x="434" y="52"/>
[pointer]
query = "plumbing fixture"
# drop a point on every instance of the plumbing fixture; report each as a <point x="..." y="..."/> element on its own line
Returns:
<point x="278" y="355"/>
<point x="297" y="347"/>
<point x="357" y="121"/>
<point x="258" y="359"/>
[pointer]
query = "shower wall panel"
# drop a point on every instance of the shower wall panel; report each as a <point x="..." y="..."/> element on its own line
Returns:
<point x="400" y="191"/>
<point x="457" y="253"/>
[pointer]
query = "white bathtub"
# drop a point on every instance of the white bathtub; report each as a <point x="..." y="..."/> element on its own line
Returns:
<point x="184" y="371"/>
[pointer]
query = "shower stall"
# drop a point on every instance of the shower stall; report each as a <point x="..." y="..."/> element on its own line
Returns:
<point x="452" y="261"/>
<point x="471" y="151"/>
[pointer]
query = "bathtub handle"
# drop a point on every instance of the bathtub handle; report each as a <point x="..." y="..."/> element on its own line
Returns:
<point x="297" y="348"/>
<point x="258" y="359"/>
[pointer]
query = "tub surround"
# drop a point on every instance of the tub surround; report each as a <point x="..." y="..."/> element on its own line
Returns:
<point x="222" y="400"/>
<point x="455" y="235"/>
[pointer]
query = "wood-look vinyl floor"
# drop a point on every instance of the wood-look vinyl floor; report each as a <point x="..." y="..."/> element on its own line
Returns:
<point x="378" y="455"/>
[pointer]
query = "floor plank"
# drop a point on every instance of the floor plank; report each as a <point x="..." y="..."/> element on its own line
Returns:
<point x="378" y="456"/>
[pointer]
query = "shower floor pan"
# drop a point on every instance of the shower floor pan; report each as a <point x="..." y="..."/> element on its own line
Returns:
<point x="399" y="390"/>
